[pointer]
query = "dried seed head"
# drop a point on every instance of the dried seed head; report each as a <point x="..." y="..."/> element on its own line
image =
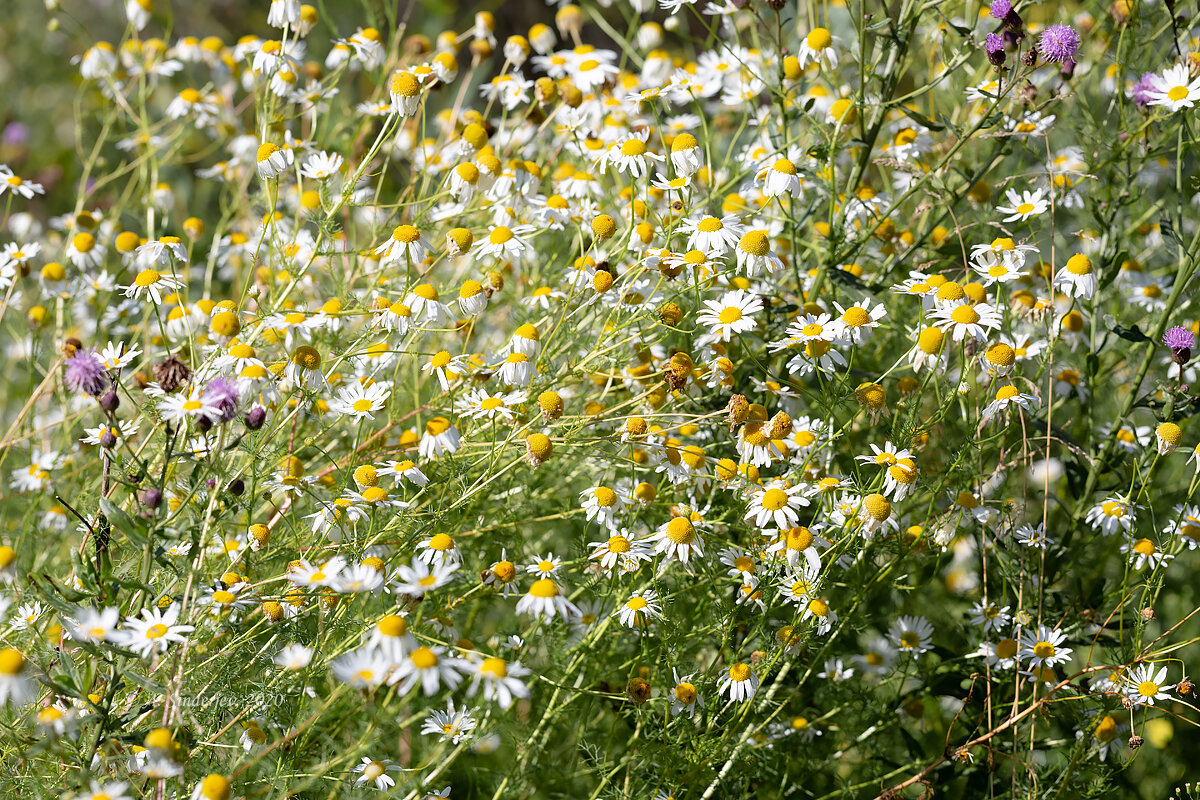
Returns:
<point x="171" y="373"/>
<point x="738" y="410"/>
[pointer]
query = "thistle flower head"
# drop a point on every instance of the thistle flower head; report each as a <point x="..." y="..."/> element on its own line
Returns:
<point x="1059" y="43"/>
<point x="85" y="373"/>
<point x="1181" y="341"/>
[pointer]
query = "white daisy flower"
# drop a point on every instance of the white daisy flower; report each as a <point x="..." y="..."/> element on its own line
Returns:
<point x="731" y="315"/>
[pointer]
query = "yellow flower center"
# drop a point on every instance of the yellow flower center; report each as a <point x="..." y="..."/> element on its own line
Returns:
<point x="404" y="84"/>
<point x="819" y="39"/>
<point x="784" y="166"/>
<point x="375" y="494"/>
<point x="495" y="667"/>
<point x="306" y="357"/>
<point x="878" y="507"/>
<point x="755" y="243"/>
<point x="147" y="277"/>
<point x="681" y="531"/>
<point x="774" y="499"/>
<point x="799" y="538"/>
<point x="633" y="147"/>
<point x="544" y="588"/>
<point x="406" y="234"/>
<point x="930" y="341"/>
<point x="855" y="317"/>
<point x="11" y="662"/>
<point x="964" y="315"/>
<point x="1079" y="264"/>
<point x="423" y="658"/>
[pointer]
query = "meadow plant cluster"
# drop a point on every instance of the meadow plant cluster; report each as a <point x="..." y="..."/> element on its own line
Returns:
<point x="671" y="400"/>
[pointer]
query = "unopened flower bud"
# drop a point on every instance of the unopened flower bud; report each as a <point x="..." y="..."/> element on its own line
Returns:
<point x="256" y="417"/>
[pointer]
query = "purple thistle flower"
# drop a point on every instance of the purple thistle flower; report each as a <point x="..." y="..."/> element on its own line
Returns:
<point x="1059" y="43"/>
<point x="15" y="133"/>
<point x="85" y="373"/>
<point x="994" y="46"/>
<point x="1140" y="93"/>
<point x="1181" y="341"/>
<point x="222" y="396"/>
<point x="1003" y="11"/>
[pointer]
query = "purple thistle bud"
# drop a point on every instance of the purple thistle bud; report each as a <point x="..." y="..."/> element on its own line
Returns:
<point x="256" y="418"/>
<point x="1181" y="341"/>
<point x="1000" y="9"/>
<point x="994" y="46"/>
<point x="109" y="401"/>
<point x="85" y="373"/>
<point x="222" y="395"/>
<point x="1059" y="43"/>
<point x="151" y="498"/>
